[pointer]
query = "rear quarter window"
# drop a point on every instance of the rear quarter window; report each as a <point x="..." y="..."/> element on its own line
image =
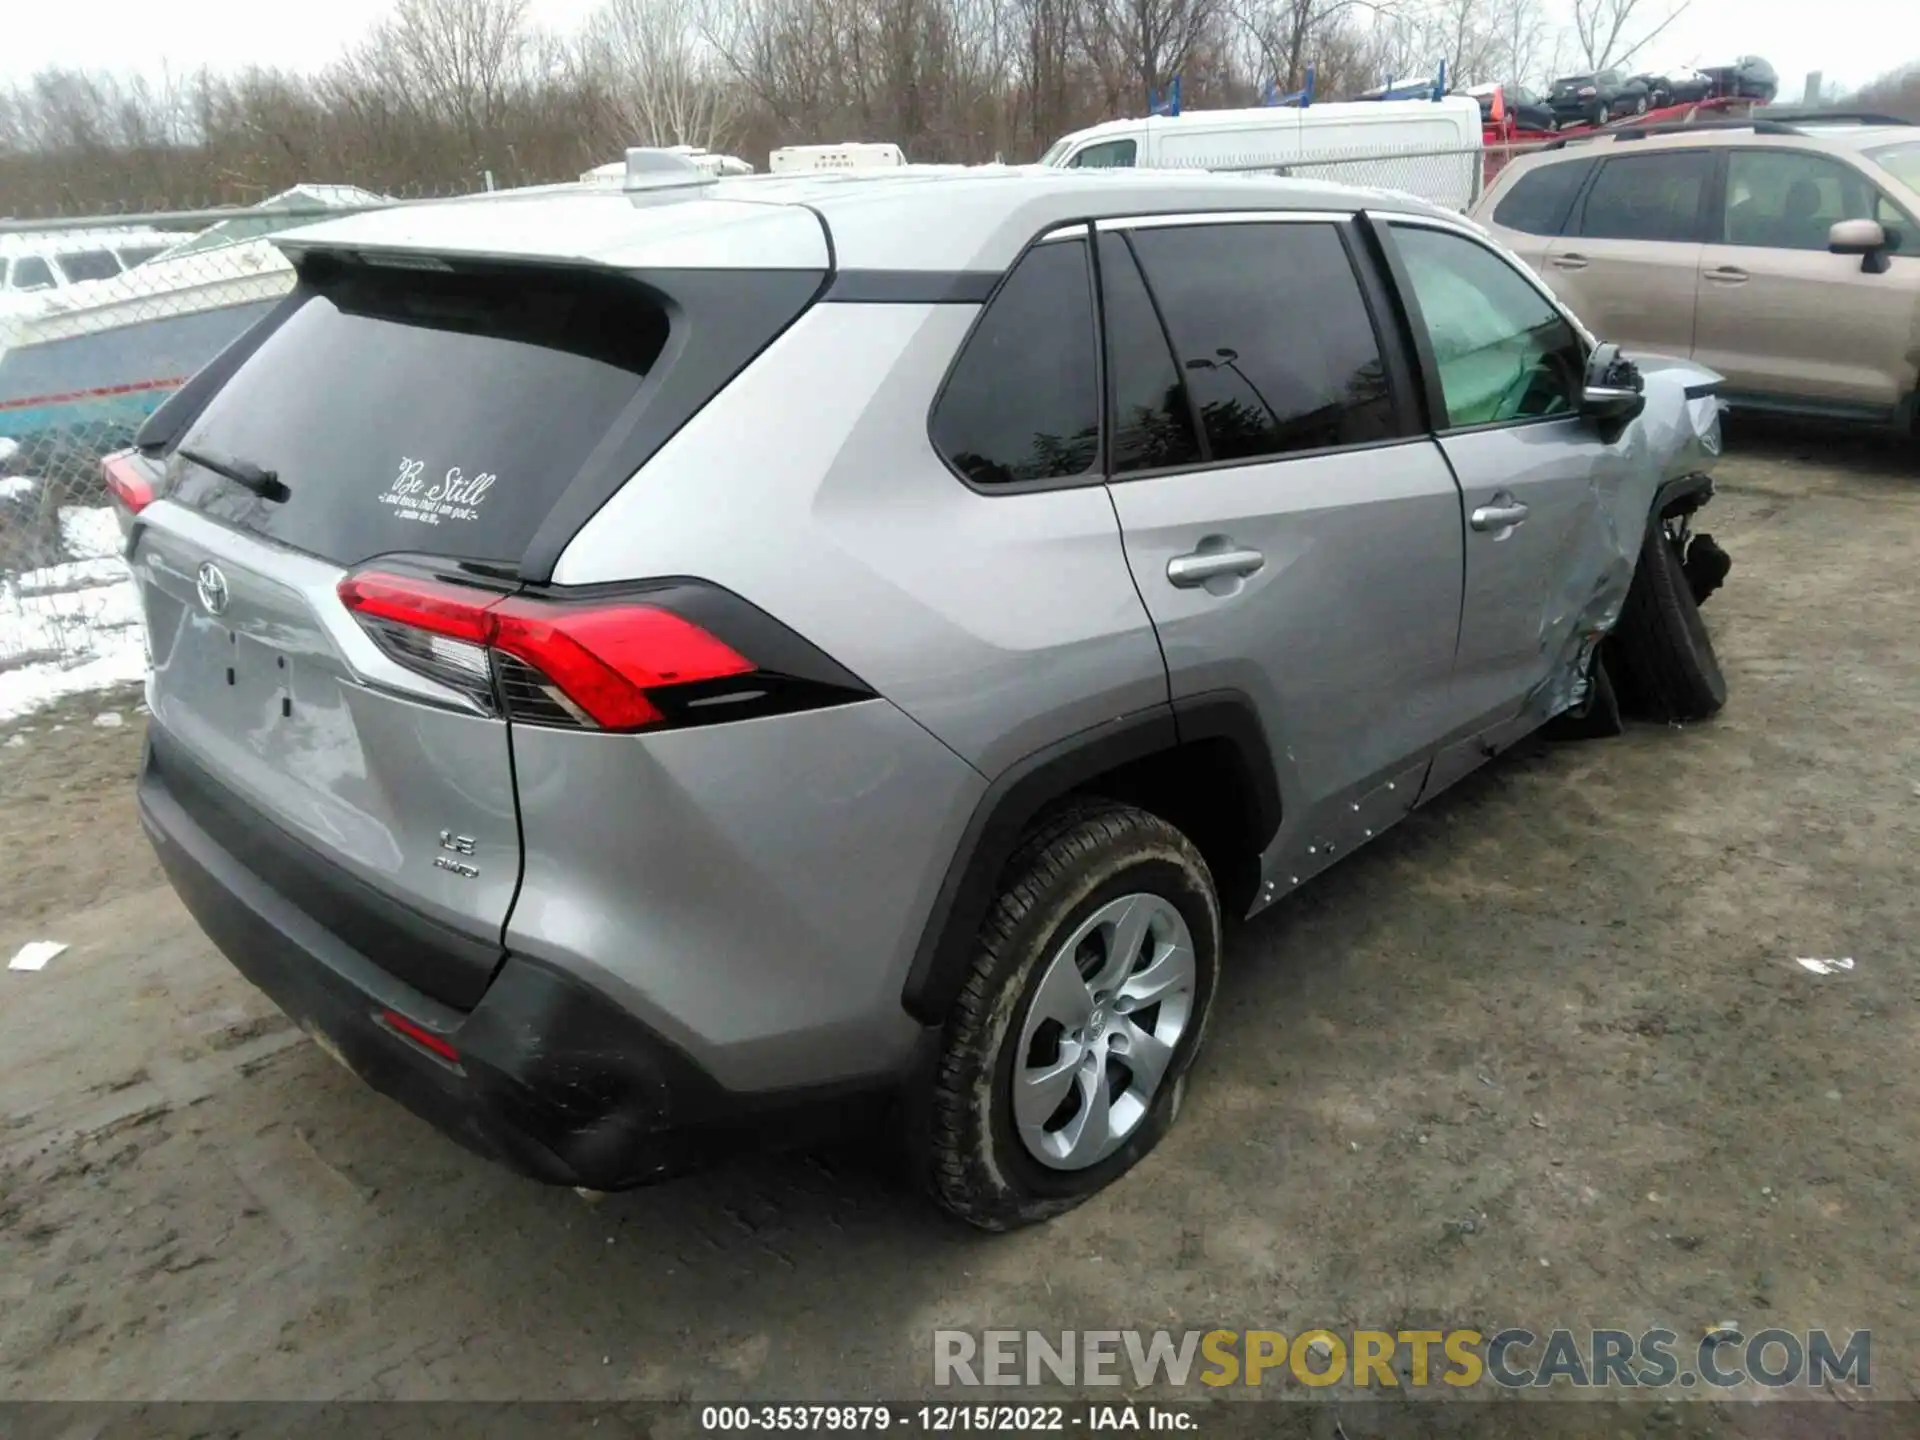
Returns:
<point x="1539" y="201"/>
<point x="1023" y="400"/>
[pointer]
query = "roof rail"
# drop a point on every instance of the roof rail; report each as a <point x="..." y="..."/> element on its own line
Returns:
<point x="1676" y="127"/>
<point x="1681" y="127"/>
<point x="1841" y="117"/>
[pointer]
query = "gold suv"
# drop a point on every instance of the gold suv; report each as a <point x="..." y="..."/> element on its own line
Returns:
<point x="1783" y="254"/>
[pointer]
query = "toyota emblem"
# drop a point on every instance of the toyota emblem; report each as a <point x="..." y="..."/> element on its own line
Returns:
<point x="212" y="588"/>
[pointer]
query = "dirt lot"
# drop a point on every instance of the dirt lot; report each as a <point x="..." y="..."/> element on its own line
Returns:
<point x="1542" y="1056"/>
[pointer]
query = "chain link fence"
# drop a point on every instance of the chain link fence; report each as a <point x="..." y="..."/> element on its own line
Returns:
<point x="102" y="317"/>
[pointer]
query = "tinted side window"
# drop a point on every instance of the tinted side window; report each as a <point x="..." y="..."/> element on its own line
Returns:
<point x="1503" y="352"/>
<point x="1151" y="418"/>
<point x="1788" y="199"/>
<point x="1539" y="200"/>
<point x="1023" y="401"/>
<point x="1648" y="197"/>
<point x="89" y="265"/>
<point x="1271" y="334"/>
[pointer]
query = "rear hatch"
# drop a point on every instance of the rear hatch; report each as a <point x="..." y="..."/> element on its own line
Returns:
<point x="427" y="417"/>
<point x="1567" y="91"/>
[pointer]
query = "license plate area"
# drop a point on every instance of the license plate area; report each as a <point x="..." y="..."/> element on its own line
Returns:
<point x="233" y="678"/>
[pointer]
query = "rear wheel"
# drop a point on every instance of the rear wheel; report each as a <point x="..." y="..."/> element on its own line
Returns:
<point x="1065" y="1057"/>
<point x="1661" y="646"/>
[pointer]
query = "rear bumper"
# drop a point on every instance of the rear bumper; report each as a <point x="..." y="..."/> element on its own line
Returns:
<point x="552" y="1078"/>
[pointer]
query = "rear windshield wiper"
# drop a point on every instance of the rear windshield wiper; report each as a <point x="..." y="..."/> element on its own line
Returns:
<point x="264" y="483"/>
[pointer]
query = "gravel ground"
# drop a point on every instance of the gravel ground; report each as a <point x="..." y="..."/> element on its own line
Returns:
<point x="1542" y="1056"/>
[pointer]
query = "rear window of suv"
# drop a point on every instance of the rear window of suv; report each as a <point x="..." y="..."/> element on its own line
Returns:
<point x="412" y="410"/>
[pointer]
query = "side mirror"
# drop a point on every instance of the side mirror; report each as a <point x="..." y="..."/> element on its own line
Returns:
<point x="1868" y="239"/>
<point x="1614" y="392"/>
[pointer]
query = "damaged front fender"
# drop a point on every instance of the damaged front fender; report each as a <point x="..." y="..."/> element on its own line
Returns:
<point x="1663" y="455"/>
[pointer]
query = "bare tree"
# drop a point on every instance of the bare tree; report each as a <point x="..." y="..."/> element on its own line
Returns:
<point x="1612" y="32"/>
<point x="1896" y="94"/>
<point x="658" y="78"/>
<point x="1140" y="45"/>
<point x="457" y="61"/>
<point x="444" y="91"/>
<point x="1288" y="35"/>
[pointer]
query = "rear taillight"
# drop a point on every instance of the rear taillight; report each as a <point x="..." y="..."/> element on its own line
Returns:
<point x="599" y="664"/>
<point x="128" y="480"/>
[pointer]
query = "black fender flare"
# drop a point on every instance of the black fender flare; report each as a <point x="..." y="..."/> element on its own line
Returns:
<point x="1003" y="814"/>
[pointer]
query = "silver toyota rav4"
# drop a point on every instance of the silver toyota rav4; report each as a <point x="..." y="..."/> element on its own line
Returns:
<point x="636" y="670"/>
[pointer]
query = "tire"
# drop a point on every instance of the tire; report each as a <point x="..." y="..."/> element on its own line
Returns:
<point x="972" y="1151"/>
<point x="1669" y="671"/>
<point x="1639" y="104"/>
<point x="1599" y="115"/>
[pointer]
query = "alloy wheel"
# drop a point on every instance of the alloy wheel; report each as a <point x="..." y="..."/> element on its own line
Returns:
<point x="1112" y="1004"/>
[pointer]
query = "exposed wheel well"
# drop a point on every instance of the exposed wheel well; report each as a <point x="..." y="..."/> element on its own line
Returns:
<point x="1202" y="765"/>
<point x="1204" y="789"/>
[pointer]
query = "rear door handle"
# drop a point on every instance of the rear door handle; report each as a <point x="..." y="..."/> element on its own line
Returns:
<point x="1195" y="569"/>
<point x="1728" y="275"/>
<point x="1569" y="262"/>
<point x="1501" y="515"/>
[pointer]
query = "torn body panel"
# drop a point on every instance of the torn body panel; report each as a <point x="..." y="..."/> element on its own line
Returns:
<point x="1676" y="436"/>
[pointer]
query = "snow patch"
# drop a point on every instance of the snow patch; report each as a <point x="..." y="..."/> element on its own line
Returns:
<point x="71" y="575"/>
<point x="90" y="532"/>
<point x="32" y="686"/>
<point x="73" y="627"/>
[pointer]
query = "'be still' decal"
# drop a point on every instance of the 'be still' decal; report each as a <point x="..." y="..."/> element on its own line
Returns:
<point x="452" y="497"/>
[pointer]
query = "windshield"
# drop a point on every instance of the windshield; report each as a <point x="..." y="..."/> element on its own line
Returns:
<point x="1054" y="152"/>
<point x="1902" y="160"/>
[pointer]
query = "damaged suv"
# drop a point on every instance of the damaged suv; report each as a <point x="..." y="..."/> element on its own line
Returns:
<point x="639" y="670"/>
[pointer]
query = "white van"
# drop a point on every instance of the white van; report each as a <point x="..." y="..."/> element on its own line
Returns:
<point x="813" y="159"/>
<point x="1428" y="148"/>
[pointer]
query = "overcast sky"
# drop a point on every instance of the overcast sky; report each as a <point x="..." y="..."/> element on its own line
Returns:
<point x="1851" y="41"/>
